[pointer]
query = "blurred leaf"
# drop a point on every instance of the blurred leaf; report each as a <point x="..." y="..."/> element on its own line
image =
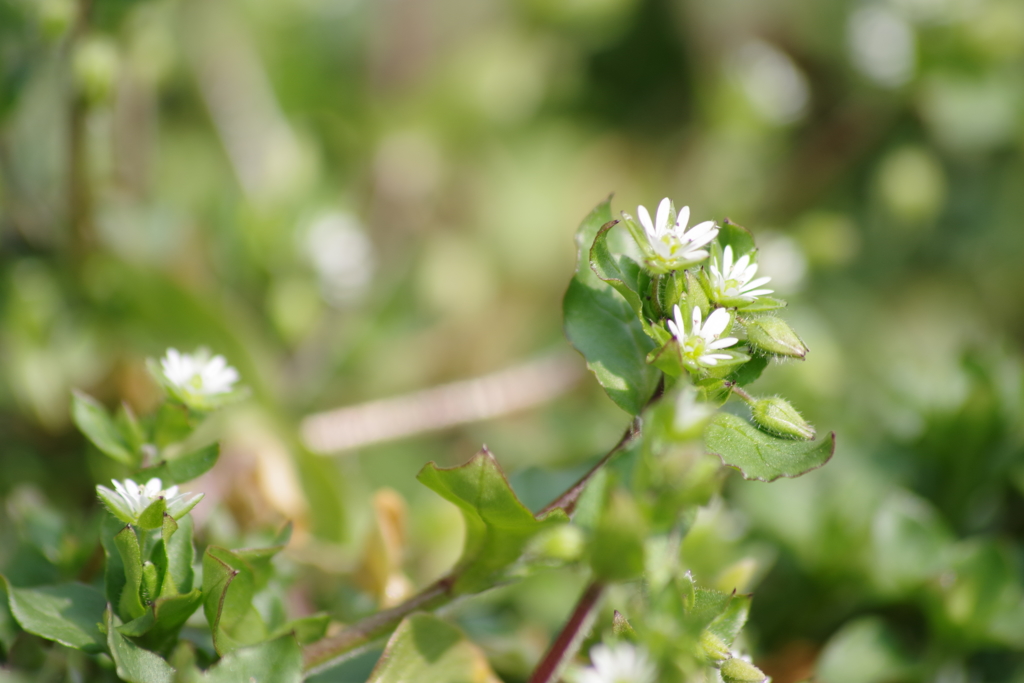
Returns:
<point x="758" y="455"/>
<point x="258" y="559"/>
<point x="749" y="372"/>
<point x="278" y="661"/>
<point x="97" y="425"/>
<point x="909" y="543"/>
<point x="426" y="649"/>
<point x="863" y="651"/>
<point x="67" y="613"/>
<point x="153" y="516"/>
<point x="984" y="602"/>
<point x="623" y="275"/>
<point x="605" y="329"/>
<point x="135" y="664"/>
<point x="158" y="628"/>
<point x="228" y="588"/>
<point x="183" y="468"/>
<point x="173" y="424"/>
<point x="617" y="549"/>
<point x="729" y="623"/>
<point x="173" y="556"/>
<point x="498" y="526"/>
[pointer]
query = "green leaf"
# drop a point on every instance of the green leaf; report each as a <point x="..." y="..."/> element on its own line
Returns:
<point x="114" y="577"/>
<point x="173" y="424"/>
<point x="758" y="455"/>
<point x="305" y="629"/>
<point x="185" y="467"/>
<point x="68" y="613"/>
<point x="153" y="516"/>
<point x="498" y="526"/>
<point x="865" y="650"/>
<point x="910" y="543"/>
<point x="258" y="559"/>
<point x="736" y="236"/>
<point x="158" y="628"/>
<point x="426" y="649"/>
<point x="607" y="268"/>
<point x="273" y="661"/>
<point x="749" y="372"/>
<point x="97" y="425"/>
<point x="173" y="556"/>
<point x="127" y="543"/>
<point x="729" y="623"/>
<point x="228" y="588"/>
<point x="603" y="328"/>
<point x="134" y="664"/>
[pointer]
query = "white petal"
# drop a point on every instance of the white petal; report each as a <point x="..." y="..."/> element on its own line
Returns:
<point x="722" y="343"/>
<point x="716" y="324"/>
<point x="695" y="317"/>
<point x="661" y="223"/>
<point x="727" y="261"/>
<point x="153" y="487"/>
<point x="682" y="219"/>
<point x="741" y="265"/>
<point x="758" y="292"/>
<point x="757" y="283"/>
<point x="645" y="220"/>
<point x="708" y="360"/>
<point x="700" y="230"/>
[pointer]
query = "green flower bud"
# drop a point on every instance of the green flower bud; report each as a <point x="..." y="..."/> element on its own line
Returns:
<point x="774" y="336"/>
<point x="738" y="670"/>
<point x="564" y="542"/>
<point x="621" y="626"/>
<point x="779" y="416"/>
<point x="712" y="648"/>
<point x="668" y="291"/>
<point x="150" y="588"/>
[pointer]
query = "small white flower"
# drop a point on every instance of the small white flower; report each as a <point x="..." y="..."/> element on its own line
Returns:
<point x="732" y="284"/>
<point x="669" y="245"/>
<point x="619" y="663"/>
<point x="129" y="500"/>
<point x="198" y="372"/>
<point x="698" y="345"/>
<point x="690" y="415"/>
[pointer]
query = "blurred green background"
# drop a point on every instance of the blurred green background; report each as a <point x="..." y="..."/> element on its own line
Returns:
<point x="355" y="199"/>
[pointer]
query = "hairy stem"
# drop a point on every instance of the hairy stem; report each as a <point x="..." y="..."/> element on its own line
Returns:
<point x="568" y="641"/>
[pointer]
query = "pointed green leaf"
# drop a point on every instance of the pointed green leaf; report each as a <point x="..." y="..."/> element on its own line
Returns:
<point x="426" y="649"/>
<point x="173" y="424"/>
<point x="97" y="425"/>
<point x="273" y="661"/>
<point x="68" y="613"/>
<point x="498" y="526"/>
<point x="758" y="455"/>
<point x="183" y="468"/>
<point x="258" y="559"/>
<point x="134" y="664"/>
<point x="127" y="543"/>
<point x="749" y="372"/>
<point x="729" y="623"/>
<point x="625" y="280"/>
<point x="604" y="327"/>
<point x="228" y="588"/>
<point x="173" y="556"/>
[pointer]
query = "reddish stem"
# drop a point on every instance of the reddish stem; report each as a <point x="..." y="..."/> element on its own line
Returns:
<point x="568" y="641"/>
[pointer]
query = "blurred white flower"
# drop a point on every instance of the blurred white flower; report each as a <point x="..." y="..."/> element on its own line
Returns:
<point x="699" y="344"/>
<point x="690" y="414"/>
<point x="881" y="45"/>
<point x="129" y="500"/>
<point x="198" y="373"/>
<point x="775" y="86"/>
<point x="668" y="245"/>
<point x="732" y="283"/>
<point x="342" y="255"/>
<point x="619" y="663"/>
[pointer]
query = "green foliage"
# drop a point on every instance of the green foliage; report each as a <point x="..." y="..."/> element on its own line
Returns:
<point x="761" y="456"/>
<point x="67" y="613"/>
<point x="425" y="648"/>
<point x="498" y="526"/>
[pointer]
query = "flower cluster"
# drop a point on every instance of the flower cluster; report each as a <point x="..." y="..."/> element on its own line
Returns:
<point x="618" y="663"/>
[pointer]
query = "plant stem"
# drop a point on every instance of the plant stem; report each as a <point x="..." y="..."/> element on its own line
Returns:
<point x="334" y="649"/>
<point x="568" y="641"/>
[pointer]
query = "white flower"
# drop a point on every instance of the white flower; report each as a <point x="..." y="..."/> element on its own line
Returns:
<point x="701" y="341"/>
<point x="669" y="245"/>
<point x="690" y="415"/>
<point x="732" y="284"/>
<point x="129" y="500"/>
<point x="198" y="372"/>
<point x="619" y="663"/>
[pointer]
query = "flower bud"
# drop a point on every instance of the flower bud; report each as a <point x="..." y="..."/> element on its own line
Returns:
<point x="738" y="670"/>
<point x="564" y="543"/>
<point x="712" y="648"/>
<point x="774" y="336"/>
<point x="778" y="415"/>
<point x="669" y="292"/>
